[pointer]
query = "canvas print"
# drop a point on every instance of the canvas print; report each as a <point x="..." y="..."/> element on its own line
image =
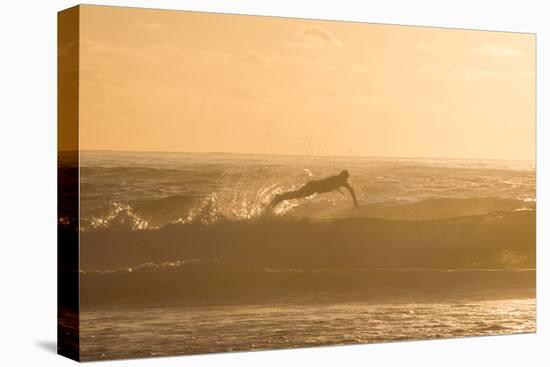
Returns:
<point x="239" y="183"/>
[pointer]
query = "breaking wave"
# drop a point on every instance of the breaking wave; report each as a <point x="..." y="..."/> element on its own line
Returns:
<point x="494" y="240"/>
<point x="219" y="207"/>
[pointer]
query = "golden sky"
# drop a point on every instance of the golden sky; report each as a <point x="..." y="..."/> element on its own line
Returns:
<point x="157" y="80"/>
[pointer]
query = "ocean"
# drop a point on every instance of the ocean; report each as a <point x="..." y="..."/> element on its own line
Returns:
<point x="181" y="253"/>
<point x="161" y="331"/>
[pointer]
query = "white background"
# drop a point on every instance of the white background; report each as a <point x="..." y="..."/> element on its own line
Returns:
<point x="28" y="183"/>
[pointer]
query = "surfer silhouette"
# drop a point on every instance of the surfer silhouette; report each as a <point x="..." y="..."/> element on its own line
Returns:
<point x="318" y="187"/>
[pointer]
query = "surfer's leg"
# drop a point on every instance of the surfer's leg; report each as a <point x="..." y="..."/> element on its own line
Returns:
<point x="277" y="199"/>
<point x="282" y="197"/>
<point x="302" y="192"/>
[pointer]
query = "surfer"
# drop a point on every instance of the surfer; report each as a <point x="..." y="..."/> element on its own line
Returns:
<point x="318" y="187"/>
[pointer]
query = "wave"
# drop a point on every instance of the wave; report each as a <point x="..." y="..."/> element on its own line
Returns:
<point x="217" y="282"/>
<point x="142" y="214"/>
<point x="217" y="207"/>
<point x="425" y="209"/>
<point x="495" y="240"/>
<point x="209" y="209"/>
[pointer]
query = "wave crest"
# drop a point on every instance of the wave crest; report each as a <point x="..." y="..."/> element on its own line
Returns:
<point x="215" y="208"/>
<point x="254" y="204"/>
<point x="119" y="216"/>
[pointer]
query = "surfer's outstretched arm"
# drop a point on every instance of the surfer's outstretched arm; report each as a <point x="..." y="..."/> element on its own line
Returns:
<point x="350" y="189"/>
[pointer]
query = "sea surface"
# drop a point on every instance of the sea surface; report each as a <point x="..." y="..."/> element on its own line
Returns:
<point x="181" y="253"/>
<point x="163" y="331"/>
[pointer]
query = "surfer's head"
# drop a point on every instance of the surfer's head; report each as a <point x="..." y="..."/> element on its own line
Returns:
<point x="344" y="174"/>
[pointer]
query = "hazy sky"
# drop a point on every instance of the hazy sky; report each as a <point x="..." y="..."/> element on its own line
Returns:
<point x="182" y="81"/>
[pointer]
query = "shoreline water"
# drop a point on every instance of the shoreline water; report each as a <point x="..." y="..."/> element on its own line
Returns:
<point x="214" y="329"/>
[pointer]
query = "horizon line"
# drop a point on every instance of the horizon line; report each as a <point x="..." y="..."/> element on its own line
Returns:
<point x="294" y="154"/>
